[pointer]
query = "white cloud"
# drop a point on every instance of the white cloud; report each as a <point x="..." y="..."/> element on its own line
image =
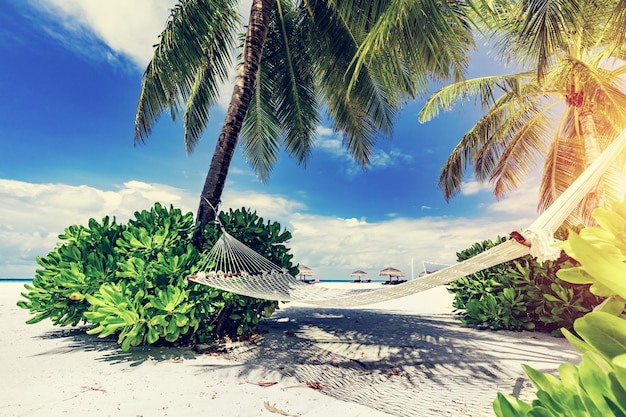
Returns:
<point x="35" y="214"/>
<point x="130" y="28"/>
<point x="332" y="146"/>
<point x="329" y="142"/>
<point x="523" y="200"/>
<point x="334" y="247"/>
<point x="473" y="187"/>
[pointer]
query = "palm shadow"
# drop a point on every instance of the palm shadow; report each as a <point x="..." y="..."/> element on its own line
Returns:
<point x="397" y="363"/>
<point x="403" y="364"/>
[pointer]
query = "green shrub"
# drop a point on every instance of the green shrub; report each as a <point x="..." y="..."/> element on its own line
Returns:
<point x="83" y="261"/>
<point x="238" y="315"/>
<point x="596" y="387"/>
<point x="129" y="280"/>
<point x="521" y="294"/>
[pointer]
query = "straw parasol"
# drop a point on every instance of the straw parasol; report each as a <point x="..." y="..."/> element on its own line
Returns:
<point x="359" y="273"/>
<point x="391" y="272"/>
<point x="305" y="271"/>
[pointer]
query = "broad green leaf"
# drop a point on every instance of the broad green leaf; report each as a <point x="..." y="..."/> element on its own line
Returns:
<point x="604" y="332"/>
<point x="575" y="276"/>
<point x="569" y="375"/>
<point x="152" y="336"/>
<point x="509" y="406"/>
<point x="620" y="360"/>
<point x="607" y="270"/>
<point x="617" y="394"/>
<point x="612" y="305"/>
<point x="593" y="372"/>
<point x="545" y="382"/>
<point x="539" y="411"/>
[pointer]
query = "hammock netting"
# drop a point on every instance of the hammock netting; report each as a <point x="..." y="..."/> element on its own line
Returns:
<point x="232" y="266"/>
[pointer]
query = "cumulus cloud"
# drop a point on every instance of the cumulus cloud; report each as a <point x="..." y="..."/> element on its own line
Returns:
<point x="473" y="187"/>
<point x="335" y="246"/>
<point x="35" y="214"/>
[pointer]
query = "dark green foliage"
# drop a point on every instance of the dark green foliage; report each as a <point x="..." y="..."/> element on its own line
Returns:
<point x="129" y="280"/>
<point x="521" y="294"/>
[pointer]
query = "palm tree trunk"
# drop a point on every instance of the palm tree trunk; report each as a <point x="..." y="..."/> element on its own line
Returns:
<point x="588" y="130"/>
<point x="240" y="101"/>
<point x="595" y="198"/>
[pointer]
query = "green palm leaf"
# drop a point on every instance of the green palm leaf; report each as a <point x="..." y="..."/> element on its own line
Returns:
<point x="413" y="30"/>
<point x="180" y="68"/>
<point x="370" y="109"/>
<point x="573" y="61"/>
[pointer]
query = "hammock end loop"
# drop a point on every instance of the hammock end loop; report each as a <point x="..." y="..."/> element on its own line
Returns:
<point x="541" y="243"/>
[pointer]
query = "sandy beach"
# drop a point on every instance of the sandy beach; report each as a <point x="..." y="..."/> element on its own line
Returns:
<point x="407" y="357"/>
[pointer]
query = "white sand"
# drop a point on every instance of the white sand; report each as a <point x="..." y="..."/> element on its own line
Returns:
<point x="407" y="357"/>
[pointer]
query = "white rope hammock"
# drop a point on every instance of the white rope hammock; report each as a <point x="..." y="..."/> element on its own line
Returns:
<point x="232" y="266"/>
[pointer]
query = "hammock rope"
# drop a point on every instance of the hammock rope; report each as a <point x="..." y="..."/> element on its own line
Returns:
<point x="232" y="266"/>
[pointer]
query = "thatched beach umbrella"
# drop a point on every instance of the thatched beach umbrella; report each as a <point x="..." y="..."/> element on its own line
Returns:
<point x="391" y="272"/>
<point x="359" y="273"/>
<point x="305" y="271"/>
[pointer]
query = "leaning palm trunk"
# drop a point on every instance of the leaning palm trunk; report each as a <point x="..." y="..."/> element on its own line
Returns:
<point x="240" y="101"/>
<point x="595" y="198"/>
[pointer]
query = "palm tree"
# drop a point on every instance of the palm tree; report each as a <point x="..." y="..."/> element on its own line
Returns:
<point x="297" y="58"/>
<point x="575" y="69"/>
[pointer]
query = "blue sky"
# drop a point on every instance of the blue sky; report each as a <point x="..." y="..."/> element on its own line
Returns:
<point x="70" y="77"/>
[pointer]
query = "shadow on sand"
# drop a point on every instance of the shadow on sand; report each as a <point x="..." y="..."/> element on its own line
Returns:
<point x="396" y="363"/>
<point x="77" y="339"/>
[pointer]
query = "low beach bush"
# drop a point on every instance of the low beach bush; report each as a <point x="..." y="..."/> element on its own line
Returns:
<point x="521" y="294"/>
<point x="597" y="386"/>
<point x="128" y="279"/>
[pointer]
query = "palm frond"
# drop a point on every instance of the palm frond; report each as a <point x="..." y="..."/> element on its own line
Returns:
<point x="371" y="108"/>
<point x="296" y="103"/>
<point x="201" y="97"/>
<point x="539" y="30"/>
<point x="617" y="23"/>
<point x="285" y="105"/>
<point x="484" y="145"/>
<point x="261" y="129"/>
<point x="198" y="34"/>
<point x="484" y="89"/>
<point x="522" y="148"/>
<point x="562" y="166"/>
<point x="416" y="30"/>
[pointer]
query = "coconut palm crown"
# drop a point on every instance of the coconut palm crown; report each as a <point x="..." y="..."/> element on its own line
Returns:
<point x="563" y="108"/>
<point x="356" y="60"/>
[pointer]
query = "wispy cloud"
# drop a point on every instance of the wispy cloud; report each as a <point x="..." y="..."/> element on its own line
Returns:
<point x="330" y="142"/>
<point x="115" y="31"/>
<point x="35" y="214"/>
